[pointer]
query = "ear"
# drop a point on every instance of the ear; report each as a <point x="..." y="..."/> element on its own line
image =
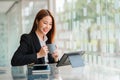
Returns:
<point x="37" y="22"/>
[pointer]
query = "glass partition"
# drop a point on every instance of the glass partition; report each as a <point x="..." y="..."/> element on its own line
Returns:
<point x="92" y="26"/>
<point x="3" y="40"/>
<point x="18" y="20"/>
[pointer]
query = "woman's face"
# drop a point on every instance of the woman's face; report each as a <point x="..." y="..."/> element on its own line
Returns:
<point x="45" y="25"/>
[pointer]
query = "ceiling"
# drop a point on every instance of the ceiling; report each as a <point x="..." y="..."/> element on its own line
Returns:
<point x="5" y="5"/>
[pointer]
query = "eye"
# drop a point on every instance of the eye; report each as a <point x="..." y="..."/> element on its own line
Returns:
<point x="50" y="24"/>
<point x="45" y="22"/>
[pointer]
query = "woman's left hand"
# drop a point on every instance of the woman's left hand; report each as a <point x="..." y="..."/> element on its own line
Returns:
<point x="55" y="55"/>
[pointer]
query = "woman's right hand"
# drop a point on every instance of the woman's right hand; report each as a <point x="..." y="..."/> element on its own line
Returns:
<point x="42" y="52"/>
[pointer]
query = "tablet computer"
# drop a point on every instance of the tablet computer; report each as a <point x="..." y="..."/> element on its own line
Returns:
<point x="70" y="58"/>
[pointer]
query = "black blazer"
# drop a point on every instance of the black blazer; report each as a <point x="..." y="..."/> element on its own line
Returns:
<point x="27" y="51"/>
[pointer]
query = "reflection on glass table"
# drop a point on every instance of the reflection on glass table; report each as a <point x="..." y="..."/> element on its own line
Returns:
<point x="44" y="75"/>
<point x="87" y="72"/>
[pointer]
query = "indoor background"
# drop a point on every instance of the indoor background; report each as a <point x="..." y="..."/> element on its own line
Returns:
<point x="89" y="25"/>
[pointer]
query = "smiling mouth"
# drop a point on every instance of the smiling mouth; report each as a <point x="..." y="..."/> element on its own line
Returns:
<point x="45" y="30"/>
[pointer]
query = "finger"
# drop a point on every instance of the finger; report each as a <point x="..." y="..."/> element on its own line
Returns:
<point x="56" y="46"/>
<point x="56" y="51"/>
<point x="46" y="51"/>
<point x="55" y="54"/>
<point x="46" y="48"/>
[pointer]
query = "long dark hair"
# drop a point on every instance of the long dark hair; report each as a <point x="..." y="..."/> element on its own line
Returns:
<point x="41" y="14"/>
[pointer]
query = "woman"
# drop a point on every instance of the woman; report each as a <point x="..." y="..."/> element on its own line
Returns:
<point x="33" y="47"/>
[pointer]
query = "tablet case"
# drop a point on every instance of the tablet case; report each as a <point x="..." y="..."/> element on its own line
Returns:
<point x="72" y="58"/>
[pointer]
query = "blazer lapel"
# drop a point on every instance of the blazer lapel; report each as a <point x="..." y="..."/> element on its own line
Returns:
<point x="36" y="42"/>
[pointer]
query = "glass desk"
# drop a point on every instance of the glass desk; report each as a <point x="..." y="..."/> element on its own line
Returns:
<point x="87" y="72"/>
